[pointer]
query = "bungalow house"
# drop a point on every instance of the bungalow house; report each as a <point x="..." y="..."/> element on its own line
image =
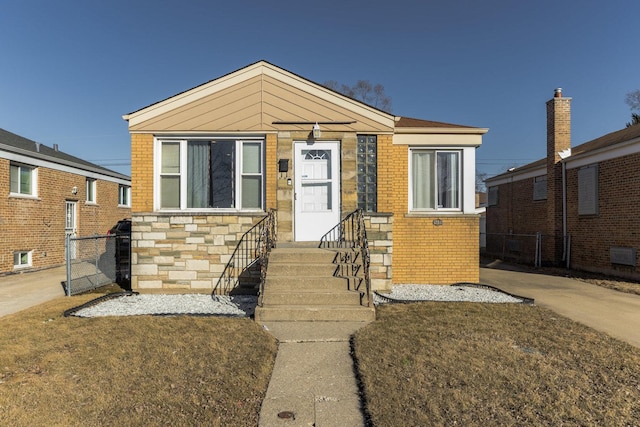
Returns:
<point x="580" y="201"/>
<point x="49" y="194"/>
<point x="208" y="163"/>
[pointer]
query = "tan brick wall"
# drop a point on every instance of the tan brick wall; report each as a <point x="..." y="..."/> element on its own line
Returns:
<point x="38" y="224"/>
<point x="142" y="172"/>
<point x="423" y="253"/>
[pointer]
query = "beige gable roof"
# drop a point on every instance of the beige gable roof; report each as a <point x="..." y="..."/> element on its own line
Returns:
<point x="259" y="98"/>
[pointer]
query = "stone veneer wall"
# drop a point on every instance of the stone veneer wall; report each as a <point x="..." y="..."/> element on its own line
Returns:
<point x="380" y="236"/>
<point x="184" y="252"/>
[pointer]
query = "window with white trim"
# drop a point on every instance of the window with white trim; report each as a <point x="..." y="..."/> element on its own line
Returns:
<point x="23" y="179"/>
<point x="124" y="195"/>
<point x="211" y="174"/>
<point x="91" y="190"/>
<point x="22" y="259"/>
<point x="435" y="180"/>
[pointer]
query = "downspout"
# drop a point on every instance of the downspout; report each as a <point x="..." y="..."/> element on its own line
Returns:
<point x="565" y="244"/>
<point x="564" y="214"/>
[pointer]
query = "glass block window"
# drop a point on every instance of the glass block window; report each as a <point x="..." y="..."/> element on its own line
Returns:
<point x="367" y="167"/>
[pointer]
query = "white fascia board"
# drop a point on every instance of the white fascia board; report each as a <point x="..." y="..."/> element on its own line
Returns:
<point x="440" y="139"/>
<point x="441" y="130"/>
<point x="604" y="154"/>
<point x="192" y="95"/>
<point x="32" y="161"/>
<point x="515" y="176"/>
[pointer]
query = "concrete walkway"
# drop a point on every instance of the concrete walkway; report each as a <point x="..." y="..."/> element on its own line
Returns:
<point x="615" y="313"/>
<point x="24" y="290"/>
<point x="313" y="381"/>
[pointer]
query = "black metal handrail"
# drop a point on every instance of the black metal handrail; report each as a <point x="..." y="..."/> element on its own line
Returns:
<point x="269" y="237"/>
<point x="352" y="233"/>
<point x="251" y="251"/>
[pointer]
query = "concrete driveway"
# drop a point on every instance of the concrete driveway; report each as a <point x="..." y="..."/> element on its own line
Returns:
<point x="615" y="313"/>
<point x="24" y="290"/>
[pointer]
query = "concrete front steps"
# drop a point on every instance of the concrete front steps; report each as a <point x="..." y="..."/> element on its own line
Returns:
<point x="301" y="286"/>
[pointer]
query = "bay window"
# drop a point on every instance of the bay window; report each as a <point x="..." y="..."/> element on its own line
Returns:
<point x="211" y="174"/>
<point x="435" y="180"/>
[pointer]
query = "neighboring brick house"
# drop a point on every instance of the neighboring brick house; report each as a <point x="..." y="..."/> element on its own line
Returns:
<point x="49" y="194"/>
<point x="207" y="163"/>
<point x="582" y="200"/>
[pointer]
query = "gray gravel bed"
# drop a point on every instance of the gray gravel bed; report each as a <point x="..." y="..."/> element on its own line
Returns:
<point x="194" y="304"/>
<point x="244" y="305"/>
<point x="446" y="293"/>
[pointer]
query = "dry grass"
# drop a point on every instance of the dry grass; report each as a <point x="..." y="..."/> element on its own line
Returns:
<point x="444" y="364"/>
<point x="133" y="371"/>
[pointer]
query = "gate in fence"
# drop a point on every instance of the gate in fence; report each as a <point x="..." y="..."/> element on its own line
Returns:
<point x="533" y="249"/>
<point x="95" y="261"/>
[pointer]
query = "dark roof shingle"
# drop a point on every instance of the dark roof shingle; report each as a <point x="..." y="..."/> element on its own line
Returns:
<point x="15" y="143"/>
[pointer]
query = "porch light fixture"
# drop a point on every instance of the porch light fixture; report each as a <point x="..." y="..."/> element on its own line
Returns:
<point x="316" y="130"/>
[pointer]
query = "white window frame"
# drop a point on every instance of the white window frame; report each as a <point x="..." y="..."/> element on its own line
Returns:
<point x="19" y="254"/>
<point x="124" y="195"/>
<point x="436" y="150"/>
<point x="34" y="180"/>
<point x="91" y="187"/>
<point x="183" y="142"/>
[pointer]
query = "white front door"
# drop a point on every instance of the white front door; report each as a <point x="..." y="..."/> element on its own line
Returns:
<point x="317" y="189"/>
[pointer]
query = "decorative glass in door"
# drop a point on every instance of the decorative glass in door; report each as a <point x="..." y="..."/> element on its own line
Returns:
<point x="316" y="181"/>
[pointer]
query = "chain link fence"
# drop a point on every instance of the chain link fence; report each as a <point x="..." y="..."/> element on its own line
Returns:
<point x="96" y="261"/>
<point x="531" y="249"/>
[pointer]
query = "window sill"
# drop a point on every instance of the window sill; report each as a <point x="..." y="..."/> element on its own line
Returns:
<point x="435" y="214"/>
<point x="90" y="204"/>
<point x="23" y="196"/>
<point x="211" y="212"/>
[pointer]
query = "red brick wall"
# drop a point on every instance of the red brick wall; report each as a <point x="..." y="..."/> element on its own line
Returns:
<point x="38" y="224"/>
<point x="617" y="222"/>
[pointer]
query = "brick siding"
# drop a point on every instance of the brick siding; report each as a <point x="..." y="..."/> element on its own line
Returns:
<point x="38" y="224"/>
<point x="616" y="223"/>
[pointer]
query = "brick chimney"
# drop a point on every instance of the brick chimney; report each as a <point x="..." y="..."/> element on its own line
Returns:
<point x="558" y="125"/>
<point x="558" y="140"/>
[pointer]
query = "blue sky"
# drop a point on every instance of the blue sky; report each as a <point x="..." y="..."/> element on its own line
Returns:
<point x="70" y="69"/>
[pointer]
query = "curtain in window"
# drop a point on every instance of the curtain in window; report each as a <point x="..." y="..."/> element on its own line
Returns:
<point x="422" y="173"/>
<point x="223" y="174"/>
<point x="198" y="174"/>
<point x="448" y="180"/>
